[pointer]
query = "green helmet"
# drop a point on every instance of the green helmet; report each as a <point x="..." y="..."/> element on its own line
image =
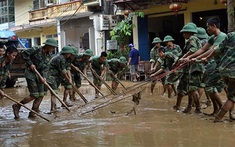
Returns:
<point x="189" y="28"/>
<point x="157" y="40"/>
<point x="51" y="42"/>
<point x="75" y="50"/>
<point x="201" y="33"/>
<point x="67" y="49"/>
<point x="168" y="38"/>
<point x="123" y="59"/>
<point x="193" y="24"/>
<point x="88" y="52"/>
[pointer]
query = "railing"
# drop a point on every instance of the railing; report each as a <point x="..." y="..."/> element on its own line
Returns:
<point x="55" y="11"/>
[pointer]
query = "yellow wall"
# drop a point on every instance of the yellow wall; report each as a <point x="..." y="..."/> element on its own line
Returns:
<point x="191" y="6"/>
<point x="21" y="11"/>
<point x="187" y="10"/>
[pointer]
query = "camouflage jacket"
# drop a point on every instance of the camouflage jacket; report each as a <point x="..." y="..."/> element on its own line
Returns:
<point x="193" y="44"/>
<point x="97" y="66"/>
<point x="36" y="57"/>
<point x="216" y="40"/>
<point x="227" y="49"/>
<point x="4" y="67"/>
<point x="168" y="61"/>
<point x="58" y="66"/>
<point x="176" y="50"/>
<point x="79" y="62"/>
<point x="153" y="55"/>
<point x="114" y="66"/>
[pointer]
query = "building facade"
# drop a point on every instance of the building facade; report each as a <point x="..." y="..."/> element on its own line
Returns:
<point x="86" y="23"/>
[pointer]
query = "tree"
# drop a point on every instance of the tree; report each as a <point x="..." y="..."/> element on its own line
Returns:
<point x="124" y="28"/>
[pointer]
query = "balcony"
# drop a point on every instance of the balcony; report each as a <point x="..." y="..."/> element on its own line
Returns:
<point x="61" y="11"/>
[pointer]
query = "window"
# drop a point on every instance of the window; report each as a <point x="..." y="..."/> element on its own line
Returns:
<point x="7" y="11"/>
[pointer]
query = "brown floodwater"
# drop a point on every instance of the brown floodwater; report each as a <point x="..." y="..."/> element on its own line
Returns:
<point x="155" y="124"/>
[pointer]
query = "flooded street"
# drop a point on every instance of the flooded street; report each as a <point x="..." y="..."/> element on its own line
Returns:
<point x="156" y="123"/>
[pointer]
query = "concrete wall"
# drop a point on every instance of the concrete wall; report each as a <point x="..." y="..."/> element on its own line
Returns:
<point x="74" y="31"/>
<point x="21" y="11"/>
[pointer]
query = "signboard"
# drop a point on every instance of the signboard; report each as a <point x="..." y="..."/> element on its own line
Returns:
<point x="111" y="45"/>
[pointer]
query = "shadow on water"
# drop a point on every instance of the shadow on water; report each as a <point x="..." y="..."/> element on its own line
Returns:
<point x="156" y="123"/>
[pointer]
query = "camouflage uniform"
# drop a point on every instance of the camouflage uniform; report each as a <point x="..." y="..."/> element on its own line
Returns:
<point x="98" y="68"/>
<point x="214" y="81"/>
<point x="153" y="55"/>
<point x="4" y="72"/>
<point x="191" y="75"/>
<point x="65" y="83"/>
<point x="58" y="67"/>
<point x="167" y="62"/>
<point x="176" y="52"/>
<point x="81" y="65"/>
<point x="227" y="64"/>
<point x="114" y="66"/>
<point x="35" y="56"/>
<point x="195" y="70"/>
<point x="154" y="58"/>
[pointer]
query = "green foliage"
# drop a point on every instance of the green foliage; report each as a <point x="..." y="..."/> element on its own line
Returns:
<point x="124" y="28"/>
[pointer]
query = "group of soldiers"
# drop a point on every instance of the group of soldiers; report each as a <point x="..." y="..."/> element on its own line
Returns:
<point x="47" y="71"/>
<point x="206" y="63"/>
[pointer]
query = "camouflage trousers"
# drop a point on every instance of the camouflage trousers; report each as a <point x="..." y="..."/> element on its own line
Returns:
<point x="96" y="80"/>
<point x="183" y="86"/>
<point x="113" y="79"/>
<point x="55" y="82"/>
<point x="3" y="79"/>
<point x="77" y="79"/>
<point x="195" y="80"/>
<point x="172" y="78"/>
<point x="35" y="86"/>
<point x="230" y="83"/>
<point x="212" y="82"/>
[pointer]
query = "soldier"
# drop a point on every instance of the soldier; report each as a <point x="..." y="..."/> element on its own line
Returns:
<point x="59" y="72"/>
<point x="226" y="70"/>
<point x="99" y="64"/>
<point x="209" y="67"/>
<point x="167" y="58"/>
<point x="36" y="58"/>
<point x="117" y="67"/>
<point x="214" y="83"/>
<point x="154" y="64"/>
<point x="5" y="62"/>
<point x="80" y="61"/>
<point x="170" y="46"/>
<point x="176" y="50"/>
<point x="2" y="52"/>
<point x="195" y="71"/>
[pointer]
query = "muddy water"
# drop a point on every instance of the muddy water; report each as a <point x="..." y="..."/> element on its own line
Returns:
<point x="156" y="123"/>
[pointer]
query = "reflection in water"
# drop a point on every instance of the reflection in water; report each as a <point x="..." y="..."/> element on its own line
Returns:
<point x="156" y="124"/>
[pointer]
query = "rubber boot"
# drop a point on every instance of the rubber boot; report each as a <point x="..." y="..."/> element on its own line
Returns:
<point x="220" y="115"/>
